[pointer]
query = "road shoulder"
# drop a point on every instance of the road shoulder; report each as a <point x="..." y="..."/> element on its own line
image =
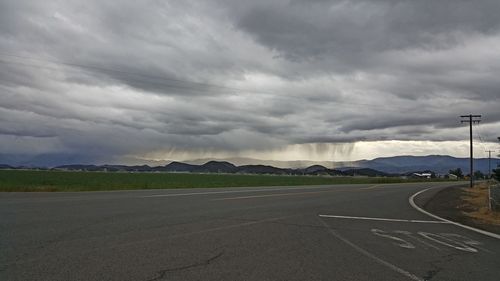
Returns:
<point x="451" y="203"/>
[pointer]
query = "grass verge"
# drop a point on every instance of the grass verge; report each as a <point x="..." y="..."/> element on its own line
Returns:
<point x="475" y="205"/>
<point x="465" y="205"/>
<point x="29" y="180"/>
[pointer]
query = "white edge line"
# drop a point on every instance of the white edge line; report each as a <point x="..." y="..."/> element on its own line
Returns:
<point x="380" y="219"/>
<point x="411" y="200"/>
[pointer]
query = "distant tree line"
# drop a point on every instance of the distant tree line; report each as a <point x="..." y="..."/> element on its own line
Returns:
<point x="496" y="174"/>
<point x="477" y="174"/>
<point x="457" y="172"/>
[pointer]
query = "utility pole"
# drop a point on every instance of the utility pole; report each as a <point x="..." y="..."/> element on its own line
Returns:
<point x="498" y="166"/>
<point x="489" y="163"/>
<point x="471" y="119"/>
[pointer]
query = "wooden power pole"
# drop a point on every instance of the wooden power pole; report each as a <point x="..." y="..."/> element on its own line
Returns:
<point x="471" y="119"/>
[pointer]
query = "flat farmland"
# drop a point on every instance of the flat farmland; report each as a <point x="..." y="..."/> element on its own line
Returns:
<point x="29" y="180"/>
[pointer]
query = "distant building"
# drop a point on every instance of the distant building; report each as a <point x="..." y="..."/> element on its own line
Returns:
<point x="422" y="175"/>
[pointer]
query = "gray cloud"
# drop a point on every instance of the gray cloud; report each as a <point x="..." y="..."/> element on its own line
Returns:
<point x="103" y="80"/>
<point x="329" y="29"/>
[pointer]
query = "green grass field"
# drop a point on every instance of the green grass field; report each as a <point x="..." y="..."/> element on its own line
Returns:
<point x="27" y="180"/>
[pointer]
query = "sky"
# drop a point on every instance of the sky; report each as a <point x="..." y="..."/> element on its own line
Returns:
<point x="133" y="81"/>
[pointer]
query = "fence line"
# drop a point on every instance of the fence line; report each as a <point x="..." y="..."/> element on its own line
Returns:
<point x="494" y="196"/>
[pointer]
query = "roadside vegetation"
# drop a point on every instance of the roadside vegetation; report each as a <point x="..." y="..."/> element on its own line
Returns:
<point x="475" y="205"/>
<point x="29" y="180"/>
<point x="496" y="174"/>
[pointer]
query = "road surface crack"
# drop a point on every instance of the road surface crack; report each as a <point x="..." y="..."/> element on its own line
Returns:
<point x="431" y="273"/>
<point x="162" y="273"/>
<point x="444" y="259"/>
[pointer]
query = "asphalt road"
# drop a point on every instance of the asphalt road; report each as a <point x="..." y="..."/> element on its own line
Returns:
<point x="262" y="233"/>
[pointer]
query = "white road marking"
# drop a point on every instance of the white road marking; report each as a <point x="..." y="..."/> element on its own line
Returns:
<point x="278" y="194"/>
<point x="439" y="239"/>
<point x="411" y="200"/>
<point x="379" y="219"/>
<point x="446" y="239"/>
<point x="410" y="235"/>
<point x="400" y="242"/>
<point x="372" y="187"/>
<point x="372" y="256"/>
<point x="234" y="191"/>
<point x="465" y="240"/>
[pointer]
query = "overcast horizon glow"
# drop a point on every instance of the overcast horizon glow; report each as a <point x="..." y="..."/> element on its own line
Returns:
<point x="326" y="152"/>
<point x="97" y="81"/>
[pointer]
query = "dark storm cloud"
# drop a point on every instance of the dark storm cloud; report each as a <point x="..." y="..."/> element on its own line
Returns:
<point x="129" y="77"/>
<point x="331" y="29"/>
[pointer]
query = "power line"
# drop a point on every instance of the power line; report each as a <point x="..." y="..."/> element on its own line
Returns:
<point x="186" y="86"/>
<point x="479" y="137"/>
<point x="107" y="69"/>
<point x="489" y="163"/>
<point x="159" y="80"/>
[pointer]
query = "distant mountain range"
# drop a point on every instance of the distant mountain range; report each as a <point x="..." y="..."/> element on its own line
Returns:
<point x="437" y="163"/>
<point x="386" y="166"/>
<point x="226" y="168"/>
<point x="440" y="164"/>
